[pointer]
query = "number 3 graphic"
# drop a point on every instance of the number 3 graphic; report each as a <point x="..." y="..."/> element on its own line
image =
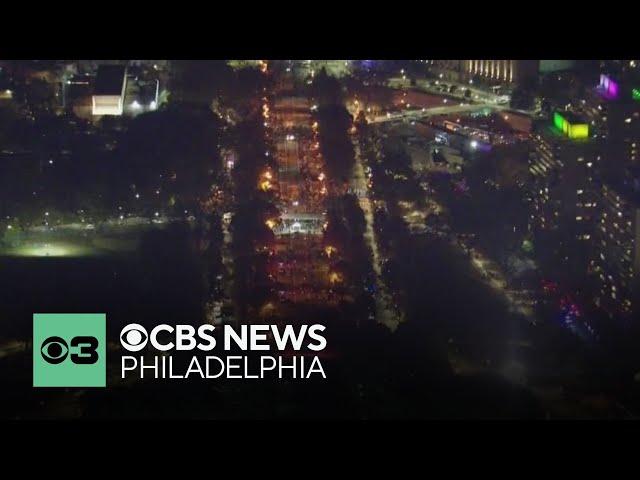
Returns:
<point x="88" y="354"/>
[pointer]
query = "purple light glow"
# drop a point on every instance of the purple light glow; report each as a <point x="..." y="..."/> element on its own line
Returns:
<point x="608" y="87"/>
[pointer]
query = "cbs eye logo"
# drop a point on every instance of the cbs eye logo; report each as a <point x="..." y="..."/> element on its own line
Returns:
<point x="69" y="350"/>
<point x="55" y="350"/>
<point x="134" y="337"/>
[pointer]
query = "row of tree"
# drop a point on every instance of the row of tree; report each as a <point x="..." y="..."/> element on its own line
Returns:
<point x="334" y="124"/>
<point x="164" y="161"/>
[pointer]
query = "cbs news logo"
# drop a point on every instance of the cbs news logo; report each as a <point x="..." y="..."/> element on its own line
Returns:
<point x="69" y="350"/>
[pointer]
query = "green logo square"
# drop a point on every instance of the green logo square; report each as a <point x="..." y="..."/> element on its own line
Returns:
<point x="69" y="350"/>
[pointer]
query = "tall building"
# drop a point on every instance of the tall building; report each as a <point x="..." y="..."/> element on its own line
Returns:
<point x="613" y="107"/>
<point x="616" y="259"/>
<point x="614" y="110"/>
<point x="620" y="109"/>
<point x="563" y="167"/>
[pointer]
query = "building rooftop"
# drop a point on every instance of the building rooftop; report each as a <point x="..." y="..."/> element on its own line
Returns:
<point x="555" y="136"/>
<point x="571" y="125"/>
<point x="109" y="80"/>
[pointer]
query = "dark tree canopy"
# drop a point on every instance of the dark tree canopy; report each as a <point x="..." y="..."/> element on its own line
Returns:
<point x="176" y="148"/>
<point x="335" y="143"/>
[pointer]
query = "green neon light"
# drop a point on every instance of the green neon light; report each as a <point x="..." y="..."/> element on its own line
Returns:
<point x="558" y="121"/>
<point x="574" y="131"/>
<point x="635" y="93"/>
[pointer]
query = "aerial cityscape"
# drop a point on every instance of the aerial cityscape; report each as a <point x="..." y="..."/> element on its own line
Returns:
<point x="468" y="231"/>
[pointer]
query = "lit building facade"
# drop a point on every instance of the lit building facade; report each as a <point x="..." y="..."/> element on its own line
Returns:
<point x="109" y="90"/>
<point x="563" y="205"/>
<point x="615" y="109"/>
<point x="616" y="259"/>
<point x="493" y="71"/>
<point x="504" y="71"/>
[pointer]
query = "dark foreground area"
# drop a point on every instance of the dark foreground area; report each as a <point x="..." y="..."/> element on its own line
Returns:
<point x="459" y="355"/>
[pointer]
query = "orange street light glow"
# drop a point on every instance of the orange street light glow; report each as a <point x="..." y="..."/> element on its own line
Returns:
<point x="266" y="185"/>
<point x="335" y="277"/>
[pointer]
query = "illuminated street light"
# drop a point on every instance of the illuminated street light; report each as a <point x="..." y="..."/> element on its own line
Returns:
<point x="265" y="185"/>
<point x="335" y="277"/>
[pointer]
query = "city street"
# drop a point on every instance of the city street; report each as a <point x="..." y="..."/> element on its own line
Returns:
<point x="438" y="86"/>
<point x="385" y="313"/>
<point x="418" y="114"/>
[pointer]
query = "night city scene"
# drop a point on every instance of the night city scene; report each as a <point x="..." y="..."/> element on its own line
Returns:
<point x="320" y="239"/>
